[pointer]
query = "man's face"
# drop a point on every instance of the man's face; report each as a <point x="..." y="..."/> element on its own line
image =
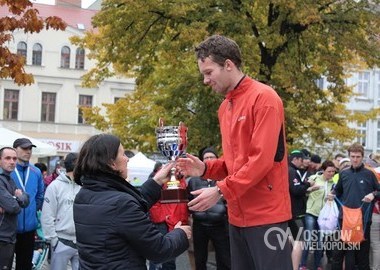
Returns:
<point x="337" y="161"/>
<point x="356" y="159"/>
<point x="305" y="162"/>
<point x="8" y="160"/>
<point x="297" y="162"/>
<point x="24" y="154"/>
<point x="215" y="76"/>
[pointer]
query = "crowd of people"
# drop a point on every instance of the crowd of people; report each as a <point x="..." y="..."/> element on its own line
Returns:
<point x="95" y="219"/>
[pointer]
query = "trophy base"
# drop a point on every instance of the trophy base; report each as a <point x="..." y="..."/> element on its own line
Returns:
<point x="174" y="195"/>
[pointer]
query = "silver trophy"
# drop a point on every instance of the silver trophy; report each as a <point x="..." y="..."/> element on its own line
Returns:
<point x="172" y="143"/>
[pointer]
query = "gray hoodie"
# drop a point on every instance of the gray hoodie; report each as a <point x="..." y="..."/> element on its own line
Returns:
<point x="57" y="211"/>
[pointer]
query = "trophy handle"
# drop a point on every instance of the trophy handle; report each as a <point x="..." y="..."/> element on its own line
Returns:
<point x="160" y="122"/>
<point x="182" y="130"/>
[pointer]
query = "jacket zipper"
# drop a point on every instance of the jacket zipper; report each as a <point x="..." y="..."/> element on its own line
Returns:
<point x="230" y="104"/>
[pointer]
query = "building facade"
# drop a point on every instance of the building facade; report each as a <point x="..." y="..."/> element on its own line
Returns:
<point x="48" y="109"/>
<point x="366" y="85"/>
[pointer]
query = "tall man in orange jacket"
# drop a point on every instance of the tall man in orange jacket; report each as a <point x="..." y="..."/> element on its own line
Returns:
<point x="253" y="171"/>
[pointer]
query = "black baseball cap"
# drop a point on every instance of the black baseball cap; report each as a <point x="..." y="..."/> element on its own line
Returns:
<point x="23" y="143"/>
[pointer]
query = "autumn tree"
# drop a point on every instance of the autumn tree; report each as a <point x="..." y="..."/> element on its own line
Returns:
<point x="289" y="45"/>
<point x="22" y="16"/>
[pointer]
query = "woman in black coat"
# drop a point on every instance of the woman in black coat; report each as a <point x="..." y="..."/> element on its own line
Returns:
<point x="113" y="229"/>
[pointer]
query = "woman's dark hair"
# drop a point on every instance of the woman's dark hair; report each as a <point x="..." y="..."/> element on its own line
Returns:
<point x="41" y="166"/>
<point x="96" y="155"/>
<point x="326" y="164"/>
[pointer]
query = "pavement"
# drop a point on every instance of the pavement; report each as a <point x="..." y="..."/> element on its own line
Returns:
<point x="183" y="262"/>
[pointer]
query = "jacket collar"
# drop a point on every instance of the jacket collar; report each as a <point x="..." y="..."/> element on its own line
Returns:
<point x="22" y="165"/>
<point x="242" y="87"/>
<point x="107" y="181"/>
<point x="358" y="168"/>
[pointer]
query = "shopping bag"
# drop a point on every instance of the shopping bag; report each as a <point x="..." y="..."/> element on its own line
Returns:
<point x="328" y="217"/>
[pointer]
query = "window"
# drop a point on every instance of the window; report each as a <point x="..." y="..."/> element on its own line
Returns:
<point x="79" y="59"/>
<point x="116" y="99"/>
<point x="37" y="54"/>
<point x="378" y="87"/>
<point x="22" y="49"/>
<point x="10" y="111"/>
<point x="362" y="130"/>
<point x="320" y="83"/>
<point x="378" y="135"/>
<point x="65" y="57"/>
<point x="84" y="101"/>
<point x="48" y="107"/>
<point x="363" y="84"/>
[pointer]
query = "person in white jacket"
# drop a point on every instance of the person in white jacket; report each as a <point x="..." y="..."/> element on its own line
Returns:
<point x="57" y="217"/>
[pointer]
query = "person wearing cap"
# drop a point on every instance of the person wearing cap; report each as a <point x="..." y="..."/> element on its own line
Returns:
<point x="298" y="186"/>
<point x="57" y="217"/>
<point x="12" y="200"/>
<point x="28" y="178"/>
<point x="210" y="225"/>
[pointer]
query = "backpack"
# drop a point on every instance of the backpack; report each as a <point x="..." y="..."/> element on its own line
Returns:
<point x="352" y="231"/>
<point x="328" y="217"/>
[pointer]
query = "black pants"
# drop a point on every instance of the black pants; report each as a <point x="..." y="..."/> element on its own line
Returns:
<point x="352" y="258"/>
<point x="24" y="250"/>
<point x="6" y="255"/>
<point x="219" y="236"/>
<point x="260" y="247"/>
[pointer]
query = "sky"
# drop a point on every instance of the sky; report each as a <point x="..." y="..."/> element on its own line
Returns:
<point x="85" y="3"/>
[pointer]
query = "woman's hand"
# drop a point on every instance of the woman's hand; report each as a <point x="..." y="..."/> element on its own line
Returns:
<point x="163" y="175"/>
<point x="185" y="228"/>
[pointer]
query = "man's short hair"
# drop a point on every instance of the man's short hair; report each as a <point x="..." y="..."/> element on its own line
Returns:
<point x="356" y="148"/>
<point x="316" y="159"/>
<point x="219" y="49"/>
<point x="5" y="147"/>
<point x="306" y="153"/>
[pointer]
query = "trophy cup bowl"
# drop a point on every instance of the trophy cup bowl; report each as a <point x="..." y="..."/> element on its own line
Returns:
<point x="172" y="143"/>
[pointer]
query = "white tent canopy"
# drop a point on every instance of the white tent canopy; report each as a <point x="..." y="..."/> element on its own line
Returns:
<point x="7" y="137"/>
<point x="139" y="168"/>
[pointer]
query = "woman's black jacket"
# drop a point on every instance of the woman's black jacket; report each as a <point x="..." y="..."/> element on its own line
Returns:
<point x="113" y="230"/>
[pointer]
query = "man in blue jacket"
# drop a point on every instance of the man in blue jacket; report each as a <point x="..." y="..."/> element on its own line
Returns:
<point x="12" y="200"/>
<point x="29" y="179"/>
